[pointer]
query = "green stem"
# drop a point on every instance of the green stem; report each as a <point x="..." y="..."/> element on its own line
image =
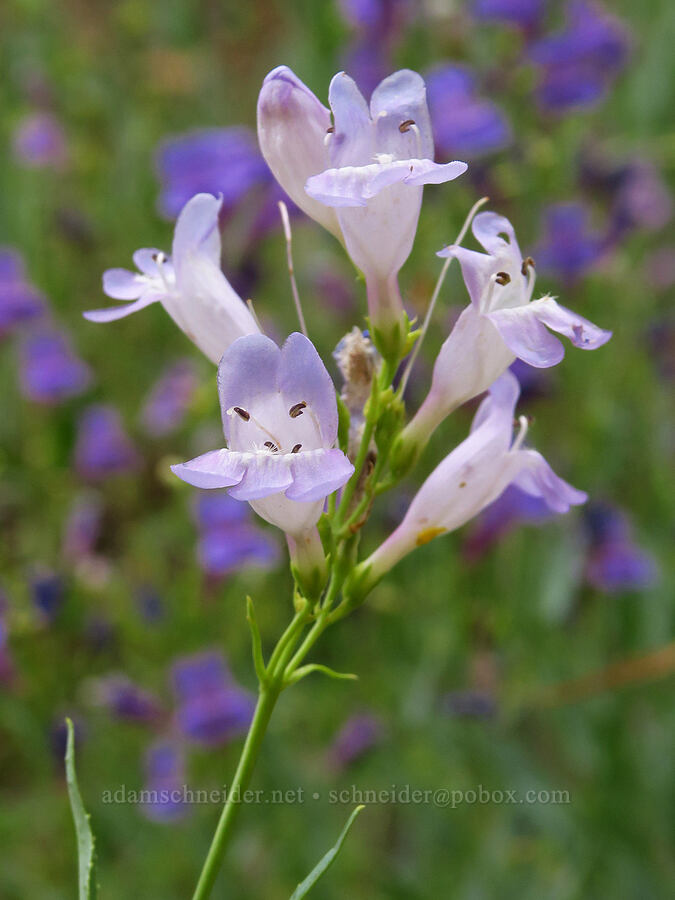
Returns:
<point x="267" y="699"/>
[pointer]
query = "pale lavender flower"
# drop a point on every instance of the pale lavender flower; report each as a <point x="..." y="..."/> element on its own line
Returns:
<point x="39" y="142"/>
<point x="473" y="475"/>
<point x="170" y="399"/>
<point x="103" y="447"/>
<point x="280" y="420"/>
<point x="579" y="63"/>
<point x="360" y="174"/>
<point x="501" y="324"/>
<point x="221" y="161"/>
<point x="190" y="285"/>
<point x="212" y="708"/>
<point x="165" y="780"/>
<point x="569" y="247"/>
<point x="358" y="735"/>
<point x="464" y="123"/>
<point x="19" y="300"/>
<point x="49" y="370"/>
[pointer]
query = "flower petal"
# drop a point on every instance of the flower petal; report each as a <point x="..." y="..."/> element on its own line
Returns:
<point x="197" y="231"/>
<point x="353" y="142"/>
<point x="111" y="313"/>
<point x="215" y="469"/>
<point x="402" y="97"/>
<point x="489" y="227"/>
<point x="145" y="261"/>
<point x="292" y="129"/>
<point x="303" y="376"/>
<point x="265" y="474"/>
<point x="538" y="479"/>
<point x="526" y="337"/>
<point x="248" y="368"/>
<point x="318" y="473"/>
<point x="580" y="331"/>
<point x="499" y="406"/>
<point x="476" y="270"/>
<point x="121" y="284"/>
<point x="355" y="185"/>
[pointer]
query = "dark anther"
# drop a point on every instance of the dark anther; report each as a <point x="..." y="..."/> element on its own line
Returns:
<point x="330" y="130"/>
<point x="405" y="126"/>
<point x="242" y="412"/>
<point x="271" y="446"/>
<point x="297" y="448"/>
<point x="462" y="484"/>
<point x="503" y="278"/>
<point x="528" y="263"/>
<point x="296" y="410"/>
<point x="155" y="257"/>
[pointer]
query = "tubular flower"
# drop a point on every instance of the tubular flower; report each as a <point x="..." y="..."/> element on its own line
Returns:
<point x="361" y="176"/>
<point x="190" y="285"/>
<point x="471" y="477"/>
<point x="502" y="323"/>
<point x="280" y="421"/>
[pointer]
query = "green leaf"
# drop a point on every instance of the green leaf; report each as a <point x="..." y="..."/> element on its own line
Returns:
<point x="258" y="659"/>
<point x="85" y="837"/>
<point x="317" y="667"/>
<point x="324" y="863"/>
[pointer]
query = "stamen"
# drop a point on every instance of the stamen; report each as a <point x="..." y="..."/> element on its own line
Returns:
<point x="296" y="410"/>
<point x="330" y="130"/>
<point x="405" y="126"/>
<point x="272" y="447"/>
<point x="520" y="437"/>
<point x="297" y="448"/>
<point x="528" y="263"/>
<point x="502" y="278"/>
<point x="241" y="412"/>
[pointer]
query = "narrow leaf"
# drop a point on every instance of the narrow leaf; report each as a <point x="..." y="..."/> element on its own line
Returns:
<point x="85" y="838"/>
<point x="258" y="659"/>
<point x="324" y="670"/>
<point x="305" y="887"/>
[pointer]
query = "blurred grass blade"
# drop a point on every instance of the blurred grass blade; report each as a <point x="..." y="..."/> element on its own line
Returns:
<point x="85" y="838"/>
<point x="305" y="887"/>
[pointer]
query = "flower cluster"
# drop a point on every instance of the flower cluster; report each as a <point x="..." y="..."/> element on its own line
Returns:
<point x="306" y="464"/>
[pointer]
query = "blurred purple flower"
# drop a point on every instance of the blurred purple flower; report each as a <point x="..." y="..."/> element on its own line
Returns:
<point x="470" y="704"/>
<point x="228" y="539"/>
<point x="223" y="161"/>
<point x="125" y="700"/>
<point x="534" y="383"/>
<point x="170" y="399"/>
<point x="103" y="447"/>
<point x="378" y="27"/>
<point x="359" y="734"/>
<point x="464" y="124"/>
<point x="165" y="782"/>
<point x="569" y="248"/>
<point x="82" y="527"/>
<point x="642" y="199"/>
<point x="524" y="14"/>
<point x="512" y="508"/>
<point x="47" y="594"/>
<point x="615" y="563"/>
<point x="150" y="605"/>
<point x="19" y="301"/>
<point x="212" y="709"/>
<point x="49" y="370"/>
<point x="39" y="142"/>
<point x="579" y="63"/>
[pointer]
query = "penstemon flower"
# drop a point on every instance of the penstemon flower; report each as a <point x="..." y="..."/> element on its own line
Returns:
<point x="502" y="323"/>
<point x="190" y="284"/>
<point x="369" y="166"/>
<point x="280" y="421"/>
<point x="473" y="475"/>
